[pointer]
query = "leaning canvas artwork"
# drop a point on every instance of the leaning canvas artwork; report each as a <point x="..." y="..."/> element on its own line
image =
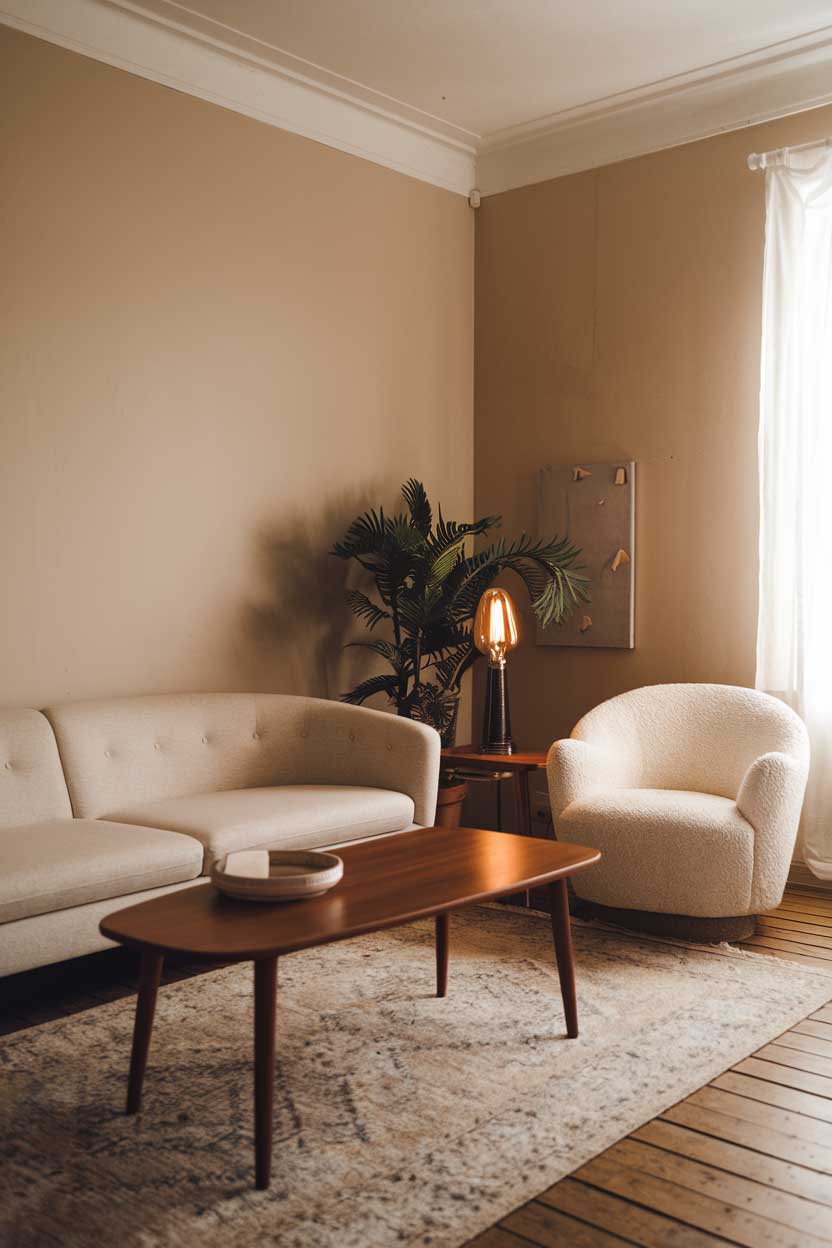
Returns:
<point x="593" y="504"/>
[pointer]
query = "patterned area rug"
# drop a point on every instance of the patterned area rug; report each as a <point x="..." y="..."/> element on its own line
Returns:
<point x="400" y="1119"/>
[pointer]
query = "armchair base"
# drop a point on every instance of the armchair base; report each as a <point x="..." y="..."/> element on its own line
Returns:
<point x="679" y="926"/>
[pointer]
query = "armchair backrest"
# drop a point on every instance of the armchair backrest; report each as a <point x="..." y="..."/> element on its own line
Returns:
<point x="697" y="737"/>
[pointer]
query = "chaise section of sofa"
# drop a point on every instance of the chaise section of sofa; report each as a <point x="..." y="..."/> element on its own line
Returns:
<point x="106" y="803"/>
<point x="62" y="863"/>
<point x="58" y="873"/>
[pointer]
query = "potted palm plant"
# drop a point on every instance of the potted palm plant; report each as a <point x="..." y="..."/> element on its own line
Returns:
<point x="427" y="583"/>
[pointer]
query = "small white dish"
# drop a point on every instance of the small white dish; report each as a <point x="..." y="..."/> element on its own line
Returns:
<point x="276" y="874"/>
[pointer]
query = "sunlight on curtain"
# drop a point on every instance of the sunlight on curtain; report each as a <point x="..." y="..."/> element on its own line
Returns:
<point x="794" y="635"/>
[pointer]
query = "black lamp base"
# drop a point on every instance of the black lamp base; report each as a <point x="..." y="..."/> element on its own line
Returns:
<point x="496" y="724"/>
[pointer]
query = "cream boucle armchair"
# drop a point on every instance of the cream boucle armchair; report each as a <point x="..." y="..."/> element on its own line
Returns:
<point x="693" y="795"/>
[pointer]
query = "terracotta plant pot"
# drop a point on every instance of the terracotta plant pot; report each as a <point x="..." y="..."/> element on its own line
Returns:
<point x="449" y="804"/>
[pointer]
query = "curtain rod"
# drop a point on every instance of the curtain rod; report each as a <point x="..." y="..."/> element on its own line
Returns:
<point x="761" y="160"/>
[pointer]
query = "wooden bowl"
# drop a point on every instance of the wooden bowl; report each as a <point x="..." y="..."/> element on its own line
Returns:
<point x="276" y="874"/>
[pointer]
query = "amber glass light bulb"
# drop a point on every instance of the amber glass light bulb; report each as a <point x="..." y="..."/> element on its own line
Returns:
<point x="495" y="626"/>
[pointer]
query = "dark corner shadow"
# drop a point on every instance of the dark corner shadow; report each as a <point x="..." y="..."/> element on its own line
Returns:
<point x="294" y="637"/>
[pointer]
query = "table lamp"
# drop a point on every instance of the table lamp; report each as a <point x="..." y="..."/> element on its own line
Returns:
<point x="495" y="635"/>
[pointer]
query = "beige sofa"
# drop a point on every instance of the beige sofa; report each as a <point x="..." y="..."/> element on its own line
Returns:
<point x="107" y="803"/>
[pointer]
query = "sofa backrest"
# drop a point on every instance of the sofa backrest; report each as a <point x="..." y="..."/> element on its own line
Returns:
<point x="119" y="751"/>
<point x="122" y="751"/>
<point x="32" y="785"/>
<point x="700" y="737"/>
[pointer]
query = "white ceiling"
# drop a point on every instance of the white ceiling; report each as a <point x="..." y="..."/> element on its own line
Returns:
<point x="462" y="93"/>
<point x="483" y="66"/>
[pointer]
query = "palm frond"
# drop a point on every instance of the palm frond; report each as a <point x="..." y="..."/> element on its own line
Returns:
<point x="365" y="609"/>
<point x="552" y="576"/>
<point x="410" y="614"/>
<point x="450" y="669"/>
<point x="367" y="688"/>
<point x="403" y="534"/>
<point x="429" y="704"/>
<point x="444" y="634"/>
<point x="548" y="569"/>
<point x="447" y="552"/>
<point x="469" y="581"/>
<point x="418" y="504"/>
<point x="558" y="598"/>
<point x="444" y="563"/>
<point x="365" y="536"/>
<point x="450" y="533"/>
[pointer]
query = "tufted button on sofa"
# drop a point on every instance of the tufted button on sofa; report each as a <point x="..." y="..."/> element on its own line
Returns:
<point x="131" y="797"/>
<point x="693" y="795"/>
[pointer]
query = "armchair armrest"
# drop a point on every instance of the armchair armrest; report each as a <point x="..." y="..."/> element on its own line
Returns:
<point x="771" y="798"/>
<point x="353" y="745"/>
<point x="576" y="768"/>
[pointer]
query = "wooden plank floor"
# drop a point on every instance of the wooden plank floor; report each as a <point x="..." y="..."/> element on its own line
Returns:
<point x="746" y="1160"/>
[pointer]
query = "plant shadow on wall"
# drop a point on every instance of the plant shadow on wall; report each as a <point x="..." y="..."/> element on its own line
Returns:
<point x="298" y="633"/>
<point x="427" y="582"/>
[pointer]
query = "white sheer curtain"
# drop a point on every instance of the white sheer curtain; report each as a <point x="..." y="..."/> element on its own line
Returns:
<point x="794" y="636"/>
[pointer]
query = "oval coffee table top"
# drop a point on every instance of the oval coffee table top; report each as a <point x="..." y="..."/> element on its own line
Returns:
<point x="386" y="882"/>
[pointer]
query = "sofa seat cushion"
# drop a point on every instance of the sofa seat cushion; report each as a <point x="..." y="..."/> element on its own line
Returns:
<point x="669" y="851"/>
<point x="68" y="862"/>
<point x="292" y="816"/>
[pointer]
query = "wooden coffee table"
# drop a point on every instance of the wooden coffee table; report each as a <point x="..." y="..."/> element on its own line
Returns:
<point x="387" y="882"/>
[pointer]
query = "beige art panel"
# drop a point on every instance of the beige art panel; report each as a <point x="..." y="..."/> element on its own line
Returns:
<point x="594" y="506"/>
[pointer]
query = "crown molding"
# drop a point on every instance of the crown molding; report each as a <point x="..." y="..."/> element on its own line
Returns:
<point x="225" y="66"/>
<point x="181" y="17"/>
<point x="244" y="80"/>
<point x="788" y="77"/>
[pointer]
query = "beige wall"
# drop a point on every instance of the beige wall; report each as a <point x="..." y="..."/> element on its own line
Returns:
<point x="219" y="341"/>
<point x="618" y="315"/>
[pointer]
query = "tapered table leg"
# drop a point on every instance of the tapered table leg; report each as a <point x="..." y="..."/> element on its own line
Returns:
<point x="562" y="933"/>
<point x="151" y="973"/>
<point x="265" y="1001"/>
<point x="523" y="807"/>
<point x="523" y="803"/>
<point x="442" y="926"/>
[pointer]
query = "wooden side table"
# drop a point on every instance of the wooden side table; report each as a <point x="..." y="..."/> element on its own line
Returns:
<point x="521" y="764"/>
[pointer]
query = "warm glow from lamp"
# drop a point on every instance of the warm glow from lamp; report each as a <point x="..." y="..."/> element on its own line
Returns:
<point x="495" y="635"/>
<point x="495" y="626"/>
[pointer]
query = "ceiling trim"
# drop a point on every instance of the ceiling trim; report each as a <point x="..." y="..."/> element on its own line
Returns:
<point x="142" y="43"/>
<point x="260" y="81"/>
<point x="788" y="77"/>
<point x="179" y="16"/>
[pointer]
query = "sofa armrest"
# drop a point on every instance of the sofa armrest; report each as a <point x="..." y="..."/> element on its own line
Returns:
<point x="575" y="769"/>
<point x="353" y="745"/>
<point x="771" y="798"/>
